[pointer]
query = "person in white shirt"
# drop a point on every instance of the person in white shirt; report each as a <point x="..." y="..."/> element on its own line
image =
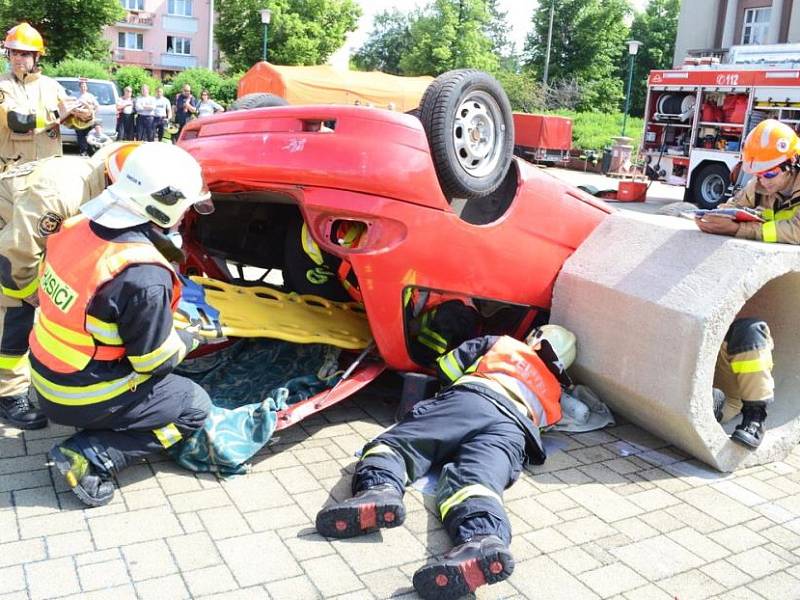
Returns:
<point x="89" y="103"/>
<point x="145" y="106"/>
<point x="125" y="115"/>
<point x="97" y="138"/>
<point x="207" y="106"/>
<point x="162" y="112"/>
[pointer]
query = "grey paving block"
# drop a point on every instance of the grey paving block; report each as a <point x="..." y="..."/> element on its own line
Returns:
<point x="238" y="554"/>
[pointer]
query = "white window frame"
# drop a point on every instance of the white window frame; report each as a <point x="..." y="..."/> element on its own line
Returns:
<point x="132" y="4"/>
<point x="124" y="38"/>
<point x="755" y="25"/>
<point x="180" y="45"/>
<point x="179" y="8"/>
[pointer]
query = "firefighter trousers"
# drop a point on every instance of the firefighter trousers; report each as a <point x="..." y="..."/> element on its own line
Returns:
<point x="16" y="322"/>
<point x="744" y="366"/>
<point x="112" y="439"/>
<point x="480" y="450"/>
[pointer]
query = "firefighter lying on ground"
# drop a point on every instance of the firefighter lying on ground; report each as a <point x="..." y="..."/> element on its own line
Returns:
<point x="744" y="364"/>
<point x="480" y="430"/>
<point x="35" y="199"/>
<point x="104" y="345"/>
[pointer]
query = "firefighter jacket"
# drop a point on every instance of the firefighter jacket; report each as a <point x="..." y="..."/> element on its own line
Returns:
<point x="513" y="377"/>
<point x="105" y="326"/>
<point x="780" y="210"/>
<point x="35" y="199"/>
<point x="29" y="126"/>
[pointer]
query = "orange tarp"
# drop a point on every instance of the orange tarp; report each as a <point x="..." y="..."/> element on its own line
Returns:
<point x="327" y="85"/>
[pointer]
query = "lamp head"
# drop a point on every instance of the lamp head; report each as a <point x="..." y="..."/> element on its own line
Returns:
<point x="266" y="15"/>
<point x="633" y="46"/>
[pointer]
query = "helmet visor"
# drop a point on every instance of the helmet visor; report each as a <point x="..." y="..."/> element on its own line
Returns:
<point x="204" y="207"/>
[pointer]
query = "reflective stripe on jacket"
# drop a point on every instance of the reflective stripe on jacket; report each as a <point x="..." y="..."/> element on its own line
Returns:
<point x="65" y="339"/>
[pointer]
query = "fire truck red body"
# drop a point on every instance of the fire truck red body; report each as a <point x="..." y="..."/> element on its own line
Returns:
<point x="696" y="118"/>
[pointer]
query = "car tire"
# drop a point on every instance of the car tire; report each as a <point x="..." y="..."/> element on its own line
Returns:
<point x="466" y="116"/>
<point x="709" y="184"/>
<point x="257" y="100"/>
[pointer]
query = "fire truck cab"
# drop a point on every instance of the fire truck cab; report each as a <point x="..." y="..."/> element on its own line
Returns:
<point x="697" y="116"/>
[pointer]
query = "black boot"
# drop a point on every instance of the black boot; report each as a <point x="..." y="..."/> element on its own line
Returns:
<point x="719" y="403"/>
<point x="480" y="561"/>
<point x="374" y="508"/>
<point x="750" y="431"/>
<point x="19" y="412"/>
<point x="90" y="488"/>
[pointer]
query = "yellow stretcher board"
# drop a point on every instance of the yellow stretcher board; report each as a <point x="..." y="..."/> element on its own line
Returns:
<point x="259" y="311"/>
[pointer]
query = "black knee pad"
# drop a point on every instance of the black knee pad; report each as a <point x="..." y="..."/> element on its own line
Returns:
<point x="747" y="334"/>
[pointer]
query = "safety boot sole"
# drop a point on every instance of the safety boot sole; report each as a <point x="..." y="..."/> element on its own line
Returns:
<point x="39" y="423"/>
<point x="64" y="466"/>
<point x="450" y="580"/>
<point x="745" y="439"/>
<point x="359" y="519"/>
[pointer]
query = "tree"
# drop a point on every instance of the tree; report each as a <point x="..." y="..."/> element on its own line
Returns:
<point x="80" y="67"/>
<point x="497" y="29"/>
<point x="222" y="89"/>
<point x="69" y="27"/>
<point x="388" y="42"/>
<point x="588" y="45"/>
<point x="656" y="28"/>
<point x="450" y="34"/>
<point x="135" y="77"/>
<point x="301" y="32"/>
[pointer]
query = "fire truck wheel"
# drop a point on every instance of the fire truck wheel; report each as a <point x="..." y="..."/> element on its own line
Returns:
<point x="257" y="100"/>
<point x="709" y="184"/>
<point x="467" y="119"/>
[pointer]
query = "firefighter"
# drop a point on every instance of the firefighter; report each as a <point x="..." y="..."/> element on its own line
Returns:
<point x="744" y="364"/>
<point x="35" y="199"/>
<point x="104" y="345"/>
<point x="480" y="430"/>
<point x="30" y="102"/>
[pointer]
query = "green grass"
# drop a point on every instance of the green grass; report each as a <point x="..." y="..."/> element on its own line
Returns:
<point x="593" y="131"/>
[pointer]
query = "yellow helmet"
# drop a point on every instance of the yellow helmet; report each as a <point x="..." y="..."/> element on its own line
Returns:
<point x="24" y="37"/>
<point x="770" y="144"/>
<point x="76" y="122"/>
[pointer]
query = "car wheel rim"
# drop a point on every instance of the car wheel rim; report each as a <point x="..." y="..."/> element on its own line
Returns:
<point x="713" y="188"/>
<point x="478" y="134"/>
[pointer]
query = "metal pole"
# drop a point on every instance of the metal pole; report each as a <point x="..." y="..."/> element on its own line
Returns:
<point x="549" y="43"/>
<point x="264" y="53"/>
<point x="628" y="94"/>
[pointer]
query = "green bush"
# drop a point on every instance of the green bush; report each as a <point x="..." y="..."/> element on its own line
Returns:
<point x="593" y="131"/>
<point x="222" y="89"/>
<point x="135" y="77"/>
<point x="79" y="67"/>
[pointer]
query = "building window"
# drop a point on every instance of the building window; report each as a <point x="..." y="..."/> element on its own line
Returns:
<point x="178" y="45"/>
<point x="181" y="8"/>
<point x="756" y="25"/>
<point x="132" y="4"/>
<point x="130" y="40"/>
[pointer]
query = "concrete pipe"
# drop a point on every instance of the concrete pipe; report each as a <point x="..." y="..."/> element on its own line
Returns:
<point x="651" y="298"/>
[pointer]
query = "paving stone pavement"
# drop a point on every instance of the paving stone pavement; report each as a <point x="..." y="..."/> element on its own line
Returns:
<point x="612" y="514"/>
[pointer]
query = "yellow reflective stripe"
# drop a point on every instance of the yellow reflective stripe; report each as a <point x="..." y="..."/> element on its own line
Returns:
<point x="769" y="231"/>
<point x="449" y="366"/>
<point x="76" y="338"/>
<point x="74" y="358"/>
<point x="10" y="362"/>
<point x="151" y="360"/>
<point x="73" y="395"/>
<point x="377" y="449"/>
<point x="310" y="246"/>
<point x="168" y="435"/>
<point x="104" y="332"/>
<point x="466" y="492"/>
<point x="755" y="365"/>
<point x="768" y="214"/>
<point x="24" y="292"/>
<point x="428" y="338"/>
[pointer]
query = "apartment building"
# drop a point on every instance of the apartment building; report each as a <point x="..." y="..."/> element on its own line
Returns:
<point x="712" y="27"/>
<point x="164" y="36"/>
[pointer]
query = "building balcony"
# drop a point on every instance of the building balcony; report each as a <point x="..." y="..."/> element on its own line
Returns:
<point x="178" y="61"/>
<point x="137" y="20"/>
<point x="126" y="56"/>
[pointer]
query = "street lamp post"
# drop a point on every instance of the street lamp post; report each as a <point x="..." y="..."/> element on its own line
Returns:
<point x="633" y="48"/>
<point x="266" y="15"/>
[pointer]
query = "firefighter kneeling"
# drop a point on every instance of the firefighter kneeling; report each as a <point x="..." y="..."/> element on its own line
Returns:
<point x="480" y="430"/>
<point x="104" y="345"/>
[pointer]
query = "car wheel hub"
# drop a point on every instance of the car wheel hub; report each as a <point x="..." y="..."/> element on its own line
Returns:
<point x="477" y="134"/>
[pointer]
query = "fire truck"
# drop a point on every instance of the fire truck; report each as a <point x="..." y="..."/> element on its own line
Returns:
<point x="697" y="116"/>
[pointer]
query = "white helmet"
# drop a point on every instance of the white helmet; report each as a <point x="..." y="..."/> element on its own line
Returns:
<point x="561" y="339"/>
<point x="158" y="182"/>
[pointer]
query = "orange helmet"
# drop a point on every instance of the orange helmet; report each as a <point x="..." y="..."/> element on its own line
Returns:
<point x="770" y="144"/>
<point x="116" y="160"/>
<point x="24" y="37"/>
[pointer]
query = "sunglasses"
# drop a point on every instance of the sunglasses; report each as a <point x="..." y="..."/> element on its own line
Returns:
<point x="771" y="173"/>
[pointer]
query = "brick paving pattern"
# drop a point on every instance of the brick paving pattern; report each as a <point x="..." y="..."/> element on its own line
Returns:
<point x="613" y="514"/>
